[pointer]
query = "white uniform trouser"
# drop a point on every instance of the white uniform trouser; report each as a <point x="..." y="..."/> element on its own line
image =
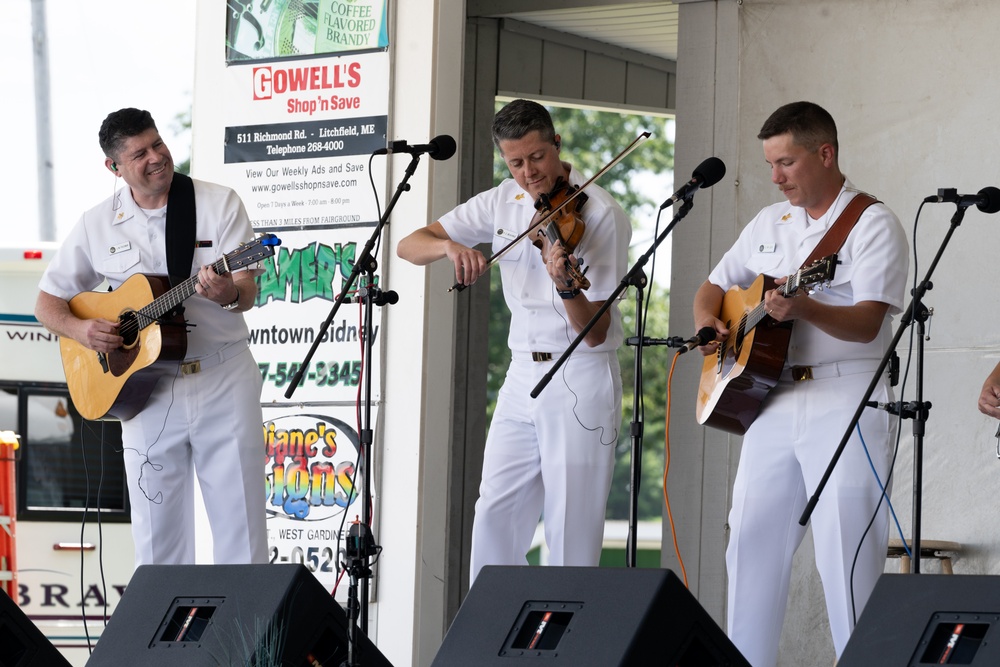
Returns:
<point x="553" y="454"/>
<point x="785" y="453"/>
<point x="213" y="421"/>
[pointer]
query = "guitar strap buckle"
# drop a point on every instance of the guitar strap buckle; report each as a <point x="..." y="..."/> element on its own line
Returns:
<point x="191" y="367"/>
<point x="800" y="373"/>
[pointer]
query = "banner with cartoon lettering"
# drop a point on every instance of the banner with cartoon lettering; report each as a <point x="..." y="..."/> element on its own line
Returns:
<point x="289" y="115"/>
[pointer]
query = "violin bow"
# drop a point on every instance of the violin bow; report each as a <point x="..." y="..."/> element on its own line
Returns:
<point x="541" y="223"/>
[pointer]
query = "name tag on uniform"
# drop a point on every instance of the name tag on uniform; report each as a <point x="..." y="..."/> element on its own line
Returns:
<point x="506" y="234"/>
<point x="121" y="247"/>
<point x="766" y="247"/>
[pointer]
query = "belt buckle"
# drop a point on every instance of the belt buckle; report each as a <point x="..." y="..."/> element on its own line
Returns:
<point x="541" y="356"/>
<point x="800" y="373"/>
<point x="191" y="367"/>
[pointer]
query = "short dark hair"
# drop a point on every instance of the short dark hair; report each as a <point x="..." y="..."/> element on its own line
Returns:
<point x="810" y="125"/>
<point x="518" y="118"/>
<point x="119" y="126"/>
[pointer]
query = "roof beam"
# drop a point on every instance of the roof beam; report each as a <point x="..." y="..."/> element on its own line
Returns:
<point x="504" y="7"/>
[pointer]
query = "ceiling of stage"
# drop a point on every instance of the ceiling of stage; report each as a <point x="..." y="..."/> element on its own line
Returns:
<point x="647" y="27"/>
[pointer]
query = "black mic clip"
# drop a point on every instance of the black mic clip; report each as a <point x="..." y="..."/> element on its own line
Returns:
<point x="646" y="341"/>
<point x="378" y="297"/>
<point x="908" y="410"/>
<point x="704" y="336"/>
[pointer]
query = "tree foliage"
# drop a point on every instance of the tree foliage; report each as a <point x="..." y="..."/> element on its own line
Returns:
<point x="591" y="139"/>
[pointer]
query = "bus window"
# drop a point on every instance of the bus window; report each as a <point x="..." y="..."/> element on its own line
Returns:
<point x="67" y="464"/>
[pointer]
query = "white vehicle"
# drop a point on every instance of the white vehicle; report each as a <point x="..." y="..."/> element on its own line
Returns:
<point x="74" y="551"/>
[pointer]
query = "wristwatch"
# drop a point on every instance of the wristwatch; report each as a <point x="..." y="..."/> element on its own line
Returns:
<point x="235" y="304"/>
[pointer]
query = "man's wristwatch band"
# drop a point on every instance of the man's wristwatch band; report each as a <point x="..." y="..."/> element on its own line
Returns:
<point x="235" y="304"/>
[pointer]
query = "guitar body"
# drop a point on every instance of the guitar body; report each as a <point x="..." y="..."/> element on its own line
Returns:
<point x="117" y="385"/>
<point x="735" y="380"/>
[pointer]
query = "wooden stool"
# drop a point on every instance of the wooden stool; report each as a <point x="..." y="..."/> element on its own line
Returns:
<point x="936" y="549"/>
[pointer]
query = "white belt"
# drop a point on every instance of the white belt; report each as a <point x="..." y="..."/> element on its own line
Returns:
<point x="823" y="371"/>
<point x="192" y="366"/>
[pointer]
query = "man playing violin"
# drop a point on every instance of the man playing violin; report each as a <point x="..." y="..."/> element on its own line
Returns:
<point x="553" y="455"/>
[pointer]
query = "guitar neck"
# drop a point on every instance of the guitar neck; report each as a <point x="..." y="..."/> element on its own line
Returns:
<point x="757" y="314"/>
<point x="174" y="297"/>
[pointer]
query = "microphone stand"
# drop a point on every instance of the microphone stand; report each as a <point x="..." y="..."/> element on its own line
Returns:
<point x="371" y="296"/>
<point x="636" y="278"/>
<point x="639" y="281"/>
<point x="916" y="410"/>
<point x="359" y="546"/>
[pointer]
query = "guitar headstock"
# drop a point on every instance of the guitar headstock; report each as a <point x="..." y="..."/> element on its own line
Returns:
<point x="247" y="253"/>
<point x="816" y="276"/>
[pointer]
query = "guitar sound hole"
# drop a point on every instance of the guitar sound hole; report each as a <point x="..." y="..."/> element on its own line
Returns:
<point x="128" y="329"/>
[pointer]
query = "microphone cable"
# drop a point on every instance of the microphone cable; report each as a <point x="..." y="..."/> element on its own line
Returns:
<point x="896" y="447"/>
<point x="666" y="425"/>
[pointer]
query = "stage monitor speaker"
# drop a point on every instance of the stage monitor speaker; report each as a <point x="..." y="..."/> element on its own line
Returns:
<point x="21" y="643"/>
<point x="928" y="619"/>
<point x="583" y="617"/>
<point x="213" y="615"/>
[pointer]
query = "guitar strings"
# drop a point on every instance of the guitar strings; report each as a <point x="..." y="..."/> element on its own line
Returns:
<point x="150" y="314"/>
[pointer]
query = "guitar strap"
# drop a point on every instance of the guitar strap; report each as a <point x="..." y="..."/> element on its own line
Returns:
<point x="180" y="228"/>
<point x="838" y="232"/>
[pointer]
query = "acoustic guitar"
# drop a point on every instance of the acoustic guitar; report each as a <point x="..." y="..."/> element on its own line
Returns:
<point x="737" y="378"/>
<point x="117" y="385"/>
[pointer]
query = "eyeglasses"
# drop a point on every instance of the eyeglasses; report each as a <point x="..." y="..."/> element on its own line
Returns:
<point x="997" y="436"/>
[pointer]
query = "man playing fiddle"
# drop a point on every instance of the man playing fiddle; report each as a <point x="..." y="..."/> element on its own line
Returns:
<point x="552" y="456"/>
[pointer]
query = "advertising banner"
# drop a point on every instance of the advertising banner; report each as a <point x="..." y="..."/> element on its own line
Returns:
<point x="314" y="471"/>
<point x="299" y="103"/>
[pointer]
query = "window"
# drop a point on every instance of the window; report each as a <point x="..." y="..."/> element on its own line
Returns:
<point x="66" y="464"/>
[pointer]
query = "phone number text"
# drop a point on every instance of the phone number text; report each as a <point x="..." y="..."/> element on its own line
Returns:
<point x="321" y="373"/>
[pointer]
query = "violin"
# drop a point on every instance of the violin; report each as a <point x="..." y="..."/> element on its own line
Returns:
<point x="540" y="222"/>
<point x="564" y="225"/>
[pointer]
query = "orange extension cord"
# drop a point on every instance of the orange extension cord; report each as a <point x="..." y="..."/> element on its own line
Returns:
<point x="666" y="469"/>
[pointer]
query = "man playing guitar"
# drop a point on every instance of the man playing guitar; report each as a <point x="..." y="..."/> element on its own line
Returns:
<point x="205" y="416"/>
<point x="837" y="341"/>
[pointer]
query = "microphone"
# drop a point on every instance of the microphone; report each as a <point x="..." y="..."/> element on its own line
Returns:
<point x="707" y="174"/>
<point x="359" y="543"/>
<point x="379" y="297"/>
<point x="986" y="200"/>
<point x="441" y="147"/>
<point x="908" y="410"/>
<point x="387" y="297"/>
<point x="891" y="408"/>
<point x="704" y="336"/>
